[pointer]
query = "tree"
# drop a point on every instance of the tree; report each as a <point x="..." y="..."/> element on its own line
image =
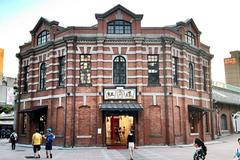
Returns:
<point x="6" y="108"/>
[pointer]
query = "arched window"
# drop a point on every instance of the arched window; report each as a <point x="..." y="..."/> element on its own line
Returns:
<point x="42" y="76"/>
<point x="191" y="76"/>
<point x="119" y="70"/>
<point x="190" y="38"/>
<point x="119" y="27"/>
<point x="43" y="37"/>
<point x="224" y="122"/>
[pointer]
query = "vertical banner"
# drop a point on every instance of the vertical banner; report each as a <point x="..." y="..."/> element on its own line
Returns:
<point x="10" y="96"/>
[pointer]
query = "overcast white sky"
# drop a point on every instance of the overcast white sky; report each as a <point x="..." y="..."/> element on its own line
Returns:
<point x="218" y="20"/>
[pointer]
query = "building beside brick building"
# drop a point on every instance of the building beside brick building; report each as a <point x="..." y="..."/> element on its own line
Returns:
<point x="232" y="68"/>
<point x="93" y="85"/>
<point x="226" y="102"/>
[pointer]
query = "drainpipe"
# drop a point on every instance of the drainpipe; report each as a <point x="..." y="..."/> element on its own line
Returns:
<point x="74" y="93"/>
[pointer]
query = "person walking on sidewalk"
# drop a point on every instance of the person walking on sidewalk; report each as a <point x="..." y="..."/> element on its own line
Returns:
<point x="237" y="152"/>
<point x="49" y="140"/>
<point x="36" y="142"/>
<point x="130" y="142"/>
<point x="13" y="139"/>
<point x="201" y="150"/>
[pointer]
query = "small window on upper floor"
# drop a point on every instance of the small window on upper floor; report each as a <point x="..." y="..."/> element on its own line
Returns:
<point x="190" y="38"/>
<point x="119" y="27"/>
<point x="191" y="76"/>
<point x="42" y="76"/>
<point x="43" y="37"/>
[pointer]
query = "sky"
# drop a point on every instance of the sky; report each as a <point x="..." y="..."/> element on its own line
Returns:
<point x="218" y="20"/>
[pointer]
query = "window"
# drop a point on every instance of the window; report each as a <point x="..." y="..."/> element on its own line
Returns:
<point x="119" y="27"/>
<point x="191" y="76"/>
<point x="193" y="121"/>
<point x="85" y="69"/>
<point x="175" y="70"/>
<point x="43" y="37"/>
<point x="42" y="76"/>
<point x="153" y="69"/>
<point x="190" y="38"/>
<point x="61" y="75"/>
<point x="207" y="122"/>
<point x="24" y="123"/>
<point x="224" y="122"/>
<point x="204" y="78"/>
<point x="25" y="78"/>
<point x="119" y="70"/>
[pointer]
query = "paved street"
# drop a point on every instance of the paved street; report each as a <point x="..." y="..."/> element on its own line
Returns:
<point x="221" y="149"/>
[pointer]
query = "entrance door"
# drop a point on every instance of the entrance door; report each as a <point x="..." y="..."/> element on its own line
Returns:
<point x="117" y="129"/>
<point x="115" y="138"/>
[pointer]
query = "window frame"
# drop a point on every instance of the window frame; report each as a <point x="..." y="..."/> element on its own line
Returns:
<point x="118" y="28"/>
<point x="175" y="70"/>
<point x="42" y="76"/>
<point x="153" y="65"/>
<point x="191" y="76"/>
<point x="61" y="69"/>
<point x="207" y="126"/>
<point x="43" y="37"/>
<point x="119" y="70"/>
<point x="204" y="78"/>
<point x="24" y="123"/>
<point x="193" y="118"/>
<point x="25" y="78"/>
<point x="85" y="73"/>
<point x="190" y="38"/>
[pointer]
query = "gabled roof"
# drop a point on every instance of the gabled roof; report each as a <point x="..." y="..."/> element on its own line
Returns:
<point x="119" y="7"/>
<point x="187" y="22"/>
<point x="41" y="21"/>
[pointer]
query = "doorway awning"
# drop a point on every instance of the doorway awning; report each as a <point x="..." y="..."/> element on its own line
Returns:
<point x="197" y="108"/>
<point x="34" y="109"/>
<point x="121" y="107"/>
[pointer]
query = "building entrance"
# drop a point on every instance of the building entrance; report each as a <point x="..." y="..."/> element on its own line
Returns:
<point x="117" y="129"/>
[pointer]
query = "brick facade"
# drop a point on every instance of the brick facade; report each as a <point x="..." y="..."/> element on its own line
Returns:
<point x="73" y="109"/>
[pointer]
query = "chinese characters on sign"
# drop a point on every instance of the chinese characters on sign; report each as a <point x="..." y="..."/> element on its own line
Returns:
<point x="120" y="93"/>
<point x="230" y="61"/>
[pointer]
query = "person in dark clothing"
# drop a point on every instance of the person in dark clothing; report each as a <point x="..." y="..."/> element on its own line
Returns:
<point x="130" y="142"/>
<point x="13" y="139"/>
<point x="201" y="150"/>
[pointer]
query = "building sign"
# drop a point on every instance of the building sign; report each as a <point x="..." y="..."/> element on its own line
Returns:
<point x="10" y="96"/>
<point x="230" y="61"/>
<point x="120" y="93"/>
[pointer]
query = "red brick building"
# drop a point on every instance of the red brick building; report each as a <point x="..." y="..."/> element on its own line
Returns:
<point x="94" y="84"/>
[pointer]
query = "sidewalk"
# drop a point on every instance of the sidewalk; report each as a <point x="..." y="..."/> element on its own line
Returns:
<point x="221" y="149"/>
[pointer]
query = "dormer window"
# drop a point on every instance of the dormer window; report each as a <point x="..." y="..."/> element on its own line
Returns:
<point x="43" y="37"/>
<point x="119" y="27"/>
<point x="190" y="38"/>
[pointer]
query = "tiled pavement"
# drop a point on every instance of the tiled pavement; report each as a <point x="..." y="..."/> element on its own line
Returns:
<point x="221" y="149"/>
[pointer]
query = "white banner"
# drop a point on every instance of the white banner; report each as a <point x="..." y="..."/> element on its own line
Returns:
<point x="10" y="96"/>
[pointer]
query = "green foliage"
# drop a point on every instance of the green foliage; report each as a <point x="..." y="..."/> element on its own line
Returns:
<point x="6" y="108"/>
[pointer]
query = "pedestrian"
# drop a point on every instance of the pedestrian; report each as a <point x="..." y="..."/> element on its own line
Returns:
<point x="49" y="140"/>
<point x="237" y="152"/>
<point x="201" y="150"/>
<point x="130" y="143"/>
<point x="13" y="139"/>
<point x="36" y="142"/>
